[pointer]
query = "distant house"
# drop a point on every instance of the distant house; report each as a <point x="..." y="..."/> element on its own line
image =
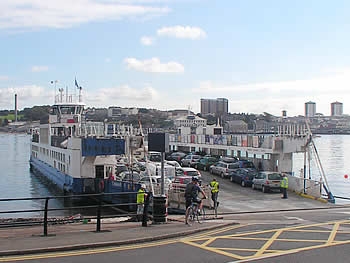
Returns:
<point x="115" y="112"/>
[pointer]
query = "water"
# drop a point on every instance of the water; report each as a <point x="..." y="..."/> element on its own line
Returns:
<point x="334" y="157"/>
<point x="16" y="181"/>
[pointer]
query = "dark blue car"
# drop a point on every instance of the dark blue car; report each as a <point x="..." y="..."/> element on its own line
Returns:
<point x="243" y="176"/>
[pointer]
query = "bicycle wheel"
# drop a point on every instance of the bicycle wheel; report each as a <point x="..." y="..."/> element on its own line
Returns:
<point x="203" y="215"/>
<point x="191" y="214"/>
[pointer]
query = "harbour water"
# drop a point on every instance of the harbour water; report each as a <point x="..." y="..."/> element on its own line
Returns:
<point x="16" y="181"/>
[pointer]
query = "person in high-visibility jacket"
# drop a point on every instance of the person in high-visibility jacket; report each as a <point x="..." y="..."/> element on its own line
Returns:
<point x="214" y="188"/>
<point x="140" y="200"/>
<point x="284" y="186"/>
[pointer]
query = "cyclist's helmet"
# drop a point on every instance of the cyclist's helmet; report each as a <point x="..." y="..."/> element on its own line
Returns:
<point x="195" y="178"/>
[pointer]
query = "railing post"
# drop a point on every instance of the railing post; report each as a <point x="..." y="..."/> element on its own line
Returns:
<point x="45" y="215"/>
<point x="98" y="219"/>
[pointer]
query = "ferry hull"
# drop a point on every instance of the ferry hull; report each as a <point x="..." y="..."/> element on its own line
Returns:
<point x="118" y="192"/>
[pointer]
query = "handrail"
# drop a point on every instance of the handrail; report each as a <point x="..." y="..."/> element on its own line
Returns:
<point x="45" y="220"/>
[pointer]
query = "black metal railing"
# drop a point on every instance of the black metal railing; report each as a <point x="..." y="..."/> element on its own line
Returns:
<point x="94" y="202"/>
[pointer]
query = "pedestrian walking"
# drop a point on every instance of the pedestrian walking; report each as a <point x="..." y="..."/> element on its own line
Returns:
<point x="214" y="188"/>
<point x="140" y="200"/>
<point x="284" y="186"/>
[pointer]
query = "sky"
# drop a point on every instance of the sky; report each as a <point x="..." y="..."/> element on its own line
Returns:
<point x="263" y="56"/>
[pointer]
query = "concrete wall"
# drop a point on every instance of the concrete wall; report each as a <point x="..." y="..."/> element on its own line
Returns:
<point x="312" y="188"/>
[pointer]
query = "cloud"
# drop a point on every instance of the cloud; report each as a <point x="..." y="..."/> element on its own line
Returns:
<point x="154" y="65"/>
<point x="182" y="32"/>
<point x="108" y="60"/>
<point x="27" y="96"/>
<point x="36" y="14"/>
<point x="288" y="95"/>
<point x="3" y="77"/>
<point x="147" y="41"/>
<point x="122" y="95"/>
<point x="40" y="68"/>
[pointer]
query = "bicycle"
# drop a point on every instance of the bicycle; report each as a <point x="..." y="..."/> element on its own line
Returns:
<point x="193" y="215"/>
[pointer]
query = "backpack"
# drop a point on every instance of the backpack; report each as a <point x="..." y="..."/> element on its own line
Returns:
<point x="189" y="190"/>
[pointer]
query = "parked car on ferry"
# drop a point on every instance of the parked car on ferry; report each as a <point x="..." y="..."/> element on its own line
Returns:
<point x="176" y="156"/>
<point x="120" y="167"/>
<point x="223" y="169"/>
<point x="156" y="181"/>
<point x="267" y="181"/>
<point x="205" y="162"/>
<point x="246" y="164"/>
<point x="243" y="176"/>
<point x="129" y="176"/>
<point x="182" y="180"/>
<point x="187" y="171"/>
<point x="190" y="160"/>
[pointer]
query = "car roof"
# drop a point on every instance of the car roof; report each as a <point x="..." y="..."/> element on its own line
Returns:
<point x="188" y="169"/>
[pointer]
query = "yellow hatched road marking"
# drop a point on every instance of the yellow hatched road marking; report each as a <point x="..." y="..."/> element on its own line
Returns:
<point x="268" y="243"/>
<point x="208" y="239"/>
<point x="333" y="233"/>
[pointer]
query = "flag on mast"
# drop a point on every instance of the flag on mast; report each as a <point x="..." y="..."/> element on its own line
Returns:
<point x="76" y="84"/>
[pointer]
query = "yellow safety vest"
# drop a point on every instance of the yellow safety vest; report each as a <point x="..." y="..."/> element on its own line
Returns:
<point x="214" y="186"/>
<point x="284" y="182"/>
<point x="141" y="196"/>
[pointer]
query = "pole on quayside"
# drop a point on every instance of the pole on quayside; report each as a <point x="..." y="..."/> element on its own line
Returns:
<point x="325" y="185"/>
<point x="159" y="142"/>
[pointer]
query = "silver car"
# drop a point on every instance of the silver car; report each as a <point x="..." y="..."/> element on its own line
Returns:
<point x="190" y="160"/>
<point x="223" y="168"/>
<point x="267" y="181"/>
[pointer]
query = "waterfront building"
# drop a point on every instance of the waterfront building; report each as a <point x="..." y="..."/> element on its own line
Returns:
<point x="336" y="108"/>
<point x="310" y="109"/>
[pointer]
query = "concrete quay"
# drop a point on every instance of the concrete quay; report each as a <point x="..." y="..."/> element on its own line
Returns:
<point x="73" y="236"/>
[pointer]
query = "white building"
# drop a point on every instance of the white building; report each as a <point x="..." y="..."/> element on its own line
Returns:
<point x="310" y="109"/>
<point x="190" y="121"/>
<point x="336" y="108"/>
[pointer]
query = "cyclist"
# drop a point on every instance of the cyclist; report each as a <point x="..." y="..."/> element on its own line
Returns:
<point x="191" y="195"/>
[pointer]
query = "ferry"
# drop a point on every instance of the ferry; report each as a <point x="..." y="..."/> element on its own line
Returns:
<point x="77" y="156"/>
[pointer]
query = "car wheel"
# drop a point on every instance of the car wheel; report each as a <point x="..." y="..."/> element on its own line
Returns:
<point x="243" y="183"/>
<point x="231" y="179"/>
<point x="222" y="175"/>
<point x="264" y="190"/>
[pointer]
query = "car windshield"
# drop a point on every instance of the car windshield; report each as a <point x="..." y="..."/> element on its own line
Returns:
<point x="248" y="165"/>
<point x="274" y="176"/>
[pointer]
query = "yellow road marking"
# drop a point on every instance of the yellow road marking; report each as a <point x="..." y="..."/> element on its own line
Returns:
<point x="268" y="243"/>
<point x="208" y="239"/>
<point x="333" y="233"/>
